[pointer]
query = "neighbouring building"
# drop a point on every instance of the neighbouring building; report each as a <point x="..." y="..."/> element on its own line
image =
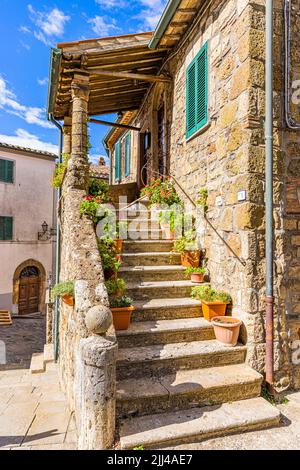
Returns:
<point x="27" y="219"/>
<point x="191" y="104"/>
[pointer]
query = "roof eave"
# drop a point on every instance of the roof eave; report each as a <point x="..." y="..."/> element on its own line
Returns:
<point x="55" y="59"/>
<point x="164" y="22"/>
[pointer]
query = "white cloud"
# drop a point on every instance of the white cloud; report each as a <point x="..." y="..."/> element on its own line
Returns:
<point x="50" y="25"/>
<point x="25" y="45"/>
<point x="103" y="26"/>
<point x="25" y="139"/>
<point x="42" y="81"/>
<point x="24" y="29"/>
<point x="10" y="104"/>
<point x="111" y="3"/>
<point x="151" y="12"/>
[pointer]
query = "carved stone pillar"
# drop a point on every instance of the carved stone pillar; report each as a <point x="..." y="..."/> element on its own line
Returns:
<point x="67" y="135"/>
<point x="78" y="164"/>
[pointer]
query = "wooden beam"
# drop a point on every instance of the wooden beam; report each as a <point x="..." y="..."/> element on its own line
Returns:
<point x="115" y="124"/>
<point x="133" y="76"/>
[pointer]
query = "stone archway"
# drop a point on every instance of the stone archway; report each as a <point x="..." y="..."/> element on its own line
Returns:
<point x="42" y="282"/>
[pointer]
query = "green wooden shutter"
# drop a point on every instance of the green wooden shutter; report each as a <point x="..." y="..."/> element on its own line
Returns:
<point x="127" y="155"/>
<point x="191" y="100"/>
<point x="6" y="171"/>
<point x="6" y="228"/>
<point x="118" y="161"/>
<point x="197" y="92"/>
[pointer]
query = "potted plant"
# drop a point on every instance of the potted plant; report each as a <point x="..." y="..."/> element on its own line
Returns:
<point x="187" y="247"/>
<point x="214" y="303"/>
<point x="109" y="256"/>
<point x="160" y="192"/>
<point x="227" y="330"/>
<point x="122" y="309"/>
<point x="196" y="274"/>
<point x="115" y="287"/>
<point x="120" y="234"/>
<point x="65" y="290"/>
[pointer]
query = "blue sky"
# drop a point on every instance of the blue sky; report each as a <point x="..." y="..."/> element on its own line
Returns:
<point x="28" y="30"/>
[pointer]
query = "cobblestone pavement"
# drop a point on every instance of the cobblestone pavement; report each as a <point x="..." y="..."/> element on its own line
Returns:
<point x="284" y="437"/>
<point x="33" y="412"/>
<point x="23" y="338"/>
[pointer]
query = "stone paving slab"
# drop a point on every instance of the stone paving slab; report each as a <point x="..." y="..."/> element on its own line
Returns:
<point x="34" y="413"/>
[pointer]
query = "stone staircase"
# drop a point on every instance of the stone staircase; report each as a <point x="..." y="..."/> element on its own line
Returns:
<point x="175" y="382"/>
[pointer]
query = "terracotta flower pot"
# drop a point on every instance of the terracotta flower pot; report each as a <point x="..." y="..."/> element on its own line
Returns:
<point x="213" y="309"/>
<point x="119" y="245"/>
<point x="190" y="259"/>
<point x="227" y="330"/>
<point x="169" y="234"/>
<point x="197" y="277"/>
<point x="122" y="317"/>
<point x="68" y="299"/>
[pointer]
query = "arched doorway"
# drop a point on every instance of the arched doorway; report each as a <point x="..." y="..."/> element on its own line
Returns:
<point x="29" y="291"/>
<point x="29" y="287"/>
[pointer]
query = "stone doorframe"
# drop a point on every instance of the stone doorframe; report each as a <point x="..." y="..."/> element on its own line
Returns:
<point x="16" y="282"/>
<point x="159" y="100"/>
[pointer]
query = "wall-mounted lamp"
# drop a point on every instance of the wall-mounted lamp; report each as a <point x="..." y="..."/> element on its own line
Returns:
<point x="46" y="234"/>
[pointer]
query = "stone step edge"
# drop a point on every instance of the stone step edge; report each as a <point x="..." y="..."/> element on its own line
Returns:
<point x="151" y="269"/>
<point x="37" y="364"/>
<point x="201" y="423"/>
<point x="129" y="333"/>
<point x="182" y="303"/>
<point x="181" y="355"/>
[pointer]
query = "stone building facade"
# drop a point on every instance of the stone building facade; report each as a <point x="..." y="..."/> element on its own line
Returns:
<point x="27" y="200"/>
<point x="227" y="158"/>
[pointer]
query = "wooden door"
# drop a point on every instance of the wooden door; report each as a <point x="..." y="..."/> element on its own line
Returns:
<point x="162" y="164"/>
<point x="29" y="289"/>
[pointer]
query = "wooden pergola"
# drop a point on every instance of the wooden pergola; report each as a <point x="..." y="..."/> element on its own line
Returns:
<point x="119" y="69"/>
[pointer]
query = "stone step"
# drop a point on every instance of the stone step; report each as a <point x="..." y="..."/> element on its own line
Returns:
<point x="166" y="309"/>
<point x="152" y="273"/>
<point x="48" y="353"/>
<point x="146" y="246"/>
<point x="151" y="259"/>
<point x="165" y="331"/>
<point x="168" y="358"/>
<point x="37" y="365"/>
<point x="160" y="289"/>
<point x="146" y="233"/>
<point x="190" y="425"/>
<point x="196" y="387"/>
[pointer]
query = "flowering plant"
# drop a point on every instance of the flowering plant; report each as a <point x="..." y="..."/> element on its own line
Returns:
<point x="89" y="206"/>
<point x="161" y="192"/>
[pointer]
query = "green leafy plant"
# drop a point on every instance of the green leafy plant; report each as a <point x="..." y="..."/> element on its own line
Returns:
<point x="108" y="253"/>
<point x="99" y="188"/>
<point x="120" y="302"/>
<point x="141" y="447"/>
<point x="63" y="288"/>
<point x="186" y="243"/>
<point x="115" y="286"/>
<point x="202" y="201"/>
<point x="207" y="294"/>
<point x="91" y="206"/>
<point x="190" y="271"/>
<point x="59" y="172"/>
<point x="161" y="192"/>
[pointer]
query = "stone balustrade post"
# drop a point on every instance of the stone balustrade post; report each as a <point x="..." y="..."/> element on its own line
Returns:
<point x="96" y="383"/>
<point x="67" y="135"/>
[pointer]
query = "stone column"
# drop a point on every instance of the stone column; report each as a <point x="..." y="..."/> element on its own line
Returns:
<point x="78" y="165"/>
<point x="95" y="393"/>
<point x="67" y="135"/>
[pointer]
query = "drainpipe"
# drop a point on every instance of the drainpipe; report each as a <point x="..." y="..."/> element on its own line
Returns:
<point x="57" y="256"/>
<point x="269" y="198"/>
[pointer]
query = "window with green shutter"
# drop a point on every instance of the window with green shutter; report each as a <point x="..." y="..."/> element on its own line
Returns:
<point x="127" y="154"/>
<point x="6" y="171"/>
<point x="118" y="161"/>
<point x="197" y="92"/>
<point x="6" y="228"/>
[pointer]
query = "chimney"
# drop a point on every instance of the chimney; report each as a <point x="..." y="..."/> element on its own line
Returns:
<point x="101" y="161"/>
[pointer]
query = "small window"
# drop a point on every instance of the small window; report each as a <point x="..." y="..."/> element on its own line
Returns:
<point x="6" y="228"/>
<point x="127" y="155"/>
<point x="197" y="92"/>
<point x="6" y="171"/>
<point x="118" y="161"/>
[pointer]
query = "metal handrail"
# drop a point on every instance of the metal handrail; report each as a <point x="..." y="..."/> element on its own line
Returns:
<point x="243" y="262"/>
